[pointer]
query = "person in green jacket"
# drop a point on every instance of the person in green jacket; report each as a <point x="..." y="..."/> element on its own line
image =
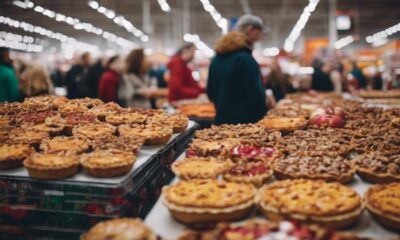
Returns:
<point x="9" y="85"/>
<point x="234" y="81"/>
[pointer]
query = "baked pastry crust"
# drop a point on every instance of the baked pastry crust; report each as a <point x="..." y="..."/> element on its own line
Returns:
<point x="215" y="148"/>
<point x="200" y="168"/>
<point x="94" y="130"/>
<point x="66" y="145"/>
<point x="52" y="130"/>
<point x="125" y="117"/>
<point x="200" y="201"/>
<point x="284" y="124"/>
<point x="51" y="165"/>
<point x="329" y="204"/>
<point x="104" y="110"/>
<point x="120" y="229"/>
<point x="34" y="118"/>
<point x="256" y="173"/>
<point x="383" y="203"/>
<point x="377" y="167"/>
<point x="129" y="144"/>
<point x="12" y="155"/>
<point x="326" y="168"/>
<point x="29" y="136"/>
<point x="53" y="101"/>
<point x="107" y="163"/>
<point x="178" y="122"/>
<point x="71" y="120"/>
<point x="249" y="153"/>
<point x="153" y="134"/>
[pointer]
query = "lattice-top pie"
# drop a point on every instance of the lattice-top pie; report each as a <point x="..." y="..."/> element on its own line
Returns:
<point x="154" y="134"/>
<point x="94" y="130"/>
<point x="120" y="229"/>
<point x="383" y="202"/>
<point x="12" y="155"/>
<point x="378" y="167"/>
<point x="284" y="124"/>
<point x="330" y="204"/>
<point x="192" y="168"/>
<point x="63" y="144"/>
<point x="51" y="165"/>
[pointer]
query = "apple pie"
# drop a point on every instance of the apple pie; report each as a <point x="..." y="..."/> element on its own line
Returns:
<point x="51" y="165"/>
<point x="284" y="124"/>
<point x="12" y="155"/>
<point x="377" y="167"/>
<point x="153" y="134"/>
<point x="63" y="144"/>
<point x="200" y="168"/>
<point x="94" y="130"/>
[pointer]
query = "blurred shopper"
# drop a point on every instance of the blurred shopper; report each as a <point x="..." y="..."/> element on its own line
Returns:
<point x="158" y="71"/>
<point x="357" y="74"/>
<point x="108" y="85"/>
<point x="234" y="80"/>
<point x="181" y="84"/>
<point x="9" y="85"/>
<point x="75" y="74"/>
<point x="57" y="76"/>
<point x="278" y="82"/>
<point x="90" y="81"/>
<point x="134" y="86"/>
<point x="321" y="80"/>
<point x="36" y="81"/>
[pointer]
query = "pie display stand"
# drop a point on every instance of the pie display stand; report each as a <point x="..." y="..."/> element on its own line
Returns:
<point x="63" y="209"/>
<point x="168" y="228"/>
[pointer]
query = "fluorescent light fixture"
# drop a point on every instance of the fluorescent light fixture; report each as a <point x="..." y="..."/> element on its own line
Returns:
<point x="271" y="52"/>
<point x="164" y="5"/>
<point x="343" y="22"/>
<point x="305" y="70"/>
<point x="195" y="39"/>
<point x="219" y="20"/>
<point x="380" y="38"/>
<point x="343" y="42"/>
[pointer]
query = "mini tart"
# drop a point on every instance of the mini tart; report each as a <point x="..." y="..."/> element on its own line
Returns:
<point x="375" y="167"/>
<point x="12" y="155"/>
<point x="71" y="108"/>
<point x="35" y="117"/>
<point x="29" y="136"/>
<point x="326" y="168"/>
<point x="128" y="144"/>
<point x="71" y="120"/>
<point x="94" y="130"/>
<point x="107" y="163"/>
<point x="201" y="168"/>
<point x="63" y="144"/>
<point x="120" y="229"/>
<point x="214" y="148"/>
<point x="153" y="134"/>
<point x="246" y="153"/>
<point x="53" y="130"/>
<point x="53" y="101"/>
<point x="383" y="202"/>
<point x="51" y="165"/>
<point x="178" y="122"/>
<point x="104" y="110"/>
<point x="284" y="124"/>
<point x="204" y="201"/>
<point x="126" y="118"/>
<point x="86" y="102"/>
<point x="256" y="173"/>
<point x="328" y="204"/>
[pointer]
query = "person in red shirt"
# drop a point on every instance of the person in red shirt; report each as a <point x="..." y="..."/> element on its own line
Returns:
<point x="181" y="84"/>
<point x="108" y="84"/>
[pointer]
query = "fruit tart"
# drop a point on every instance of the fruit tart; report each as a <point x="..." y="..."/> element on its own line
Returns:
<point x="200" y="168"/>
<point x="384" y="205"/>
<point x="51" y="165"/>
<point x="107" y="163"/>
<point x="94" y="130"/>
<point x="120" y="229"/>
<point x="125" y="117"/>
<point x="246" y="153"/>
<point x="64" y="144"/>
<point x="129" y="144"/>
<point x="215" y="148"/>
<point x="311" y="201"/>
<point x="284" y="124"/>
<point x="256" y="173"/>
<point x="377" y="167"/>
<point x="205" y="201"/>
<point x="12" y="155"/>
<point x="29" y="136"/>
<point x="326" y="168"/>
<point x="153" y="134"/>
<point x="178" y="122"/>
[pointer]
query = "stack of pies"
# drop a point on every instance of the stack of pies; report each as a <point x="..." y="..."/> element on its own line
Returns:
<point x="377" y="167"/>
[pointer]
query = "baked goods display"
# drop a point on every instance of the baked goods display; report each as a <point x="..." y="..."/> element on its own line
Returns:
<point x="178" y="122"/>
<point x="119" y="229"/>
<point x="329" y="204"/>
<point x="64" y="144"/>
<point x="200" y="168"/>
<point x="377" y="167"/>
<point x="126" y="117"/>
<point x="12" y="155"/>
<point x="383" y="203"/>
<point x="94" y="130"/>
<point x="284" y="124"/>
<point x="153" y="134"/>
<point x="203" y="201"/>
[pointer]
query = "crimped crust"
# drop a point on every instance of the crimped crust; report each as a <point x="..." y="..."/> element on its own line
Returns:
<point x="53" y="130"/>
<point x="66" y="145"/>
<point x="376" y="167"/>
<point x="178" y="122"/>
<point x="128" y="144"/>
<point x="107" y="163"/>
<point x="329" y="204"/>
<point x="285" y="124"/>
<point x="154" y="135"/>
<point x="126" y="118"/>
<point x="215" y="148"/>
<point x="382" y="203"/>
<point x="104" y="110"/>
<point x="12" y="155"/>
<point x="29" y="136"/>
<point x="192" y="168"/>
<point x="256" y="173"/>
<point x="51" y="165"/>
<point x="94" y="130"/>
<point x="120" y="228"/>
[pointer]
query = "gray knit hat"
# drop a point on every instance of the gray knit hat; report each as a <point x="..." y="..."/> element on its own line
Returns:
<point x="250" y="20"/>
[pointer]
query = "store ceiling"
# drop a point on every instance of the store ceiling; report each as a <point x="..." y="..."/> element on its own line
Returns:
<point x="166" y="29"/>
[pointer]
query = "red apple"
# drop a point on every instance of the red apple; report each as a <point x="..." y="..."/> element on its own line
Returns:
<point x="333" y="121"/>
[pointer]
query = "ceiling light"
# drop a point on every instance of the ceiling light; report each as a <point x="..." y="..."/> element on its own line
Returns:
<point x="144" y="38"/>
<point x="380" y="38"/>
<point x="110" y="14"/>
<point x="343" y="42"/>
<point x="219" y="20"/>
<point x="93" y="4"/>
<point x="164" y="5"/>
<point x="194" y="38"/>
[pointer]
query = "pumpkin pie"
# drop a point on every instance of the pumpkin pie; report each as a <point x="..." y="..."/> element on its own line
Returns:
<point x="329" y="204"/>
<point x="12" y="155"/>
<point x="51" y="165"/>
<point x="94" y="130"/>
<point x="384" y="205"/>
<point x="200" y="168"/>
<point x="153" y="134"/>
<point x="256" y="173"/>
<point x="284" y="124"/>
<point x="107" y="163"/>
<point x="204" y="201"/>
<point x="64" y="144"/>
<point x="377" y="167"/>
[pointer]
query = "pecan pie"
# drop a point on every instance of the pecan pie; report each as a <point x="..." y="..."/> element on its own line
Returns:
<point x="12" y="155"/>
<point x="200" y="201"/>
<point x="191" y="168"/>
<point x="284" y="124"/>
<point x="51" y="165"/>
<point x="324" y="168"/>
<point x="153" y="134"/>
<point x="35" y="117"/>
<point x="256" y="173"/>
<point x="378" y="168"/>
<point x="215" y="148"/>
<point x="63" y="144"/>
<point x="120" y="229"/>
<point x="94" y="130"/>
<point x="107" y="163"/>
<point x="178" y="122"/>
<point x="29" y="136"/>
<point x="126" y="118"/>
<point x="383" y="203"/>
<point x="328" y="204"/>
<point x="124" y="143"/>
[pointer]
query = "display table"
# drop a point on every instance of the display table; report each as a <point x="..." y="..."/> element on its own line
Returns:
<point x="31" y="207"/>
<point x="165" y="226"/>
